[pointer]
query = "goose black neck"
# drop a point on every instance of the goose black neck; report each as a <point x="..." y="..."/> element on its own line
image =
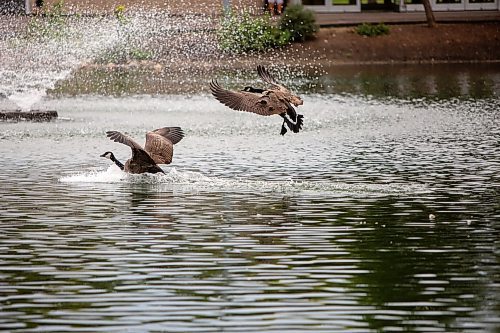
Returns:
<point x="254" y="90"/>
<point x="118" y="163"/>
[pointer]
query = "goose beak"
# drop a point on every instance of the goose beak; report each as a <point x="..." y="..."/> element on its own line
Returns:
<point x="103" y="155"/>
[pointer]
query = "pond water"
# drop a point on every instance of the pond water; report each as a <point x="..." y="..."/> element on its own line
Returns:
<point x="380" y="216"/>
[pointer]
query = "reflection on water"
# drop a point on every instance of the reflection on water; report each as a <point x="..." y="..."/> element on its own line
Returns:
<point x="442" y="81"/>
<point x="324" y="231"/>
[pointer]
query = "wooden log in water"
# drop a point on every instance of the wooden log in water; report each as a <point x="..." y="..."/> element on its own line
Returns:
<point x="33" y="115"/>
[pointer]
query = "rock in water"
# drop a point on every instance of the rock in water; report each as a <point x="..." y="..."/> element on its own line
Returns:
<point x="33" y="115"/>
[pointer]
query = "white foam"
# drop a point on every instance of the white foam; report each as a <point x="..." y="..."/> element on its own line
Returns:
<point x="27" y="99"/>
<point x="195" y="181"/>
<point x="112" y="175"/>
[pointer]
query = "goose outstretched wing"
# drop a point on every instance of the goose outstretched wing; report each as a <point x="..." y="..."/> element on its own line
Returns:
<point x="280" y="90"/>
<point x="265" y="104"/>
<point x="143" y="159"/>
<point x="174" y="134"/>
<point x="160" y="143"/>
<point x="122" y="138"/>
<point x="138" y="153"/>
<point x="266" y="76"/>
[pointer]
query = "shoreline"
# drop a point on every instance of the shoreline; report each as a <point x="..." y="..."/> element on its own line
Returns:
<point x="408" y="43"/>
<point x="413" y="43"/>
<point x="184" y="62"/>
<point x="158" y="65"/>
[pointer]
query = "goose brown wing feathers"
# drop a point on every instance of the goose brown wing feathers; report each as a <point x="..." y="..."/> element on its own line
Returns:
<point x="122" y="138"/>
<point x="266" y="76"/>
<point x="159" y="147"/>
<point x="265" y="104"/>
<point x="142" y="162"/>
<point x="174" y="134"/>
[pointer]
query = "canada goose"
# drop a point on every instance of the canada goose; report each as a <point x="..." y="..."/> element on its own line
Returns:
<point x="159" y="149"/>
<point x="266" y="102"/>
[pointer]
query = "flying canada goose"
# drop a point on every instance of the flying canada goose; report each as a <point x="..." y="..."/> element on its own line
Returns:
<point x="266" y="102"/>
<point x="159" y="149"/>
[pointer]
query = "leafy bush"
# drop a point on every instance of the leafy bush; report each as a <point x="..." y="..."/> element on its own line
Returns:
<point x="123" y="54"/>
<point x="239" y="33"/>
<point x="138" y="54"/>
<point x="120" y="13"/>
<point x="371" y="30"/>
<point x="299" y="22"/>
<point x="51" y="24"/>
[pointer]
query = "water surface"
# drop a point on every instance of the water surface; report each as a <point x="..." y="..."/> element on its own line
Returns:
<point x="382" y="215"/>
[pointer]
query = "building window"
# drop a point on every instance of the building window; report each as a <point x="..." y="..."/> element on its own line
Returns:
<point x="343" y="2"/>
<point x="313" y="2"/>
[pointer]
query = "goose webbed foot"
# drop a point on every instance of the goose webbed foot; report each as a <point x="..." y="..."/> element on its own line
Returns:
<point x="298" y="125"/>
<point x="294" y="127"/>
<point x="283" y="129"/>
<point x="300" y="120"/>
<point x="289" y="124"/>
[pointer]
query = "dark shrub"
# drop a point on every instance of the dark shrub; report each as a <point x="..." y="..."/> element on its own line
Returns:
<point x="300" y="22"/>
<point x="239" y="33"/>
<point x="371" y="30"/>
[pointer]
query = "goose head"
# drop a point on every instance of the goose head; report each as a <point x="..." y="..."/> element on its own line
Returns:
<point x="109" y="155"/>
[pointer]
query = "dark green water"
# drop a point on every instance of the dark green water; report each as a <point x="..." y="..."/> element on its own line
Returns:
<point x="381" y="216"/>
<point x="432" y="81"/>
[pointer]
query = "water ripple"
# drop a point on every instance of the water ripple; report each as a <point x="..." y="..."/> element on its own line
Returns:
<point x="380" y="216"/>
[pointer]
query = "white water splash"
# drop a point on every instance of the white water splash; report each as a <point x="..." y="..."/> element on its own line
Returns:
<point x="39" y="52"/>
<point x="195" y="181"/>
<point x="35" y="54"/>
<point x="112" y="175"/>
<point x="33" y="60"/>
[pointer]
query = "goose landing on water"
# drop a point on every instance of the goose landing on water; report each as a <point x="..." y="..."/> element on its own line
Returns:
<point x="159" y="149"/>
<point x="266" y="102"/>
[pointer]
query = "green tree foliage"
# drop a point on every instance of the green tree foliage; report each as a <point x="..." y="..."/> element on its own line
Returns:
<point x="243" y="32"/>
<point x="51" y="24"/>
<point x="300" y="22"/>
<point x="239" y="33"/>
